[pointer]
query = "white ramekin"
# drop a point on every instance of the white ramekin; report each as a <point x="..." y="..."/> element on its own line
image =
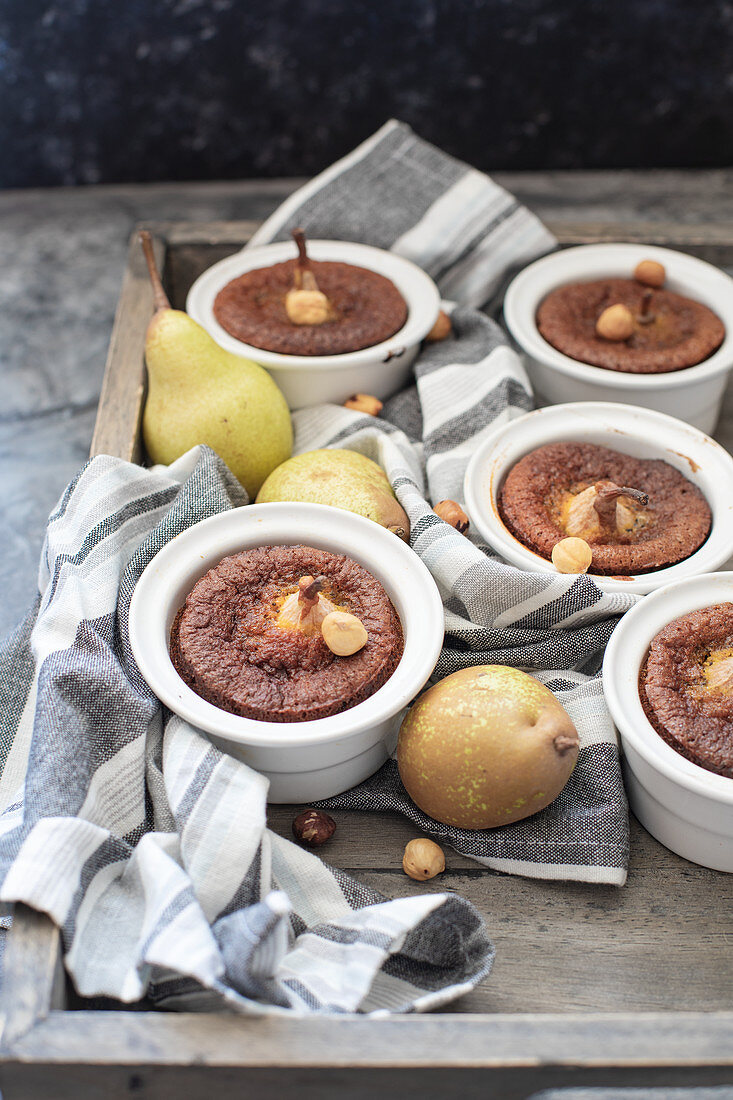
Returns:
<point x="634" y="431"/>
<point x="693" y="394"/>
<point x="309" y="379"/>
<point x="686" y="807"/>
<point x="303" y="760"/>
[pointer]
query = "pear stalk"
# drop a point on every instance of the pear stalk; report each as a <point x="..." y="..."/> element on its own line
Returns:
<point x="305" y="304"/>
<point x="303" y="278"/>
<point x="308" y="589"/>
<point x="160" y="298"/>
<point x="606" y="496"/>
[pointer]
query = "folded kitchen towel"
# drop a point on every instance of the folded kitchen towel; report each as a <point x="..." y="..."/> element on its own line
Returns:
<point x="148" y="846"/>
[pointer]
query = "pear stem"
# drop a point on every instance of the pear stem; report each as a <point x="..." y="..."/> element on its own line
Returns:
<point x="160" y="298"/>
<point x="308" y="589"/>
<point x="304" y="278"/>
<point x="607" y="494"/>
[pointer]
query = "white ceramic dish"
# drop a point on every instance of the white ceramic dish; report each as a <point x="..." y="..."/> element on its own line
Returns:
<point x="307" y="379"/>
<point x="635" y="431"/>
<point x="303" y="760"/>
<point x="687" y="808"/>
<point x="694" y="394"/>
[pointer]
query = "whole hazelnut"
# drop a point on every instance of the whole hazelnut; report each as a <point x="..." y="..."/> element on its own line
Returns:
<point x="313" y="827"/>
<point x="364" y="403"/>
<point x="572" y="556"/>
<point x="615" y="323"/>
<point x="307" y="307"/>
<point x="441" y="329"/>
<point x="650" y="273"/>
<point x="453" y="514"/>
<point x="343" y="633"/>
<point x="423" y="859"/>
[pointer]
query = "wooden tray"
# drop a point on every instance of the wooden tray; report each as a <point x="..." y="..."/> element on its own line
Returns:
<point x="591" y="985"/>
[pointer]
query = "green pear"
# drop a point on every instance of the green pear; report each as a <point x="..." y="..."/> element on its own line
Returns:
<point x="343" y="479"/>
<point x="199" y="393"/>
<point x="486" y="746"/>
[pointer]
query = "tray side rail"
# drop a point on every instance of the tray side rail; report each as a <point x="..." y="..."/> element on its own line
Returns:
<point x="158" y="1055"/>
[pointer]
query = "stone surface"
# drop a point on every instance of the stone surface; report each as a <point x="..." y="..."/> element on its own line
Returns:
<point x="64" y="253"/>
<point x="213" y="89"/>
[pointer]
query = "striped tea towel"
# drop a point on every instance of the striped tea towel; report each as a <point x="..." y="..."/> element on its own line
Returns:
<point x="147" y="845"/>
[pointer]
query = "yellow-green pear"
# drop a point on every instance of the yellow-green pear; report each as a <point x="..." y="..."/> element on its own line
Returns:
<point x="200" y="393"/>
<point x="343" y="479"/>
<point x="486" y="746"/>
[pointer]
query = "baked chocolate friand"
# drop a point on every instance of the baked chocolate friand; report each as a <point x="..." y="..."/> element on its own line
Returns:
<point x="632" y="325"/>
<point x="252" y="635"/>
<point x="636" y="514"/>
<point x="303" y="307"/>
<point x="686" y="686"/>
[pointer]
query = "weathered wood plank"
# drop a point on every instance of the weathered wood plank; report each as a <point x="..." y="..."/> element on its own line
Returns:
<point x="570" y="230"/>
<point x="205" y="234"/>
<point x="119" y="416"/>
<point x="659" y="942"/>
<point x="40" y="1082"/>
<point x="400" y="1042"/>
<point x="161" y="1057"/>
<point x="33" y="978"/>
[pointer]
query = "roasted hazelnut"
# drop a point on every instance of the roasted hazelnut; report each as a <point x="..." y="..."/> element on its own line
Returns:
<point x="572" y="556"/>
<point x="313" y="827"/>
<point x="364" y="403"/>
<point x="441" y="329"/>
<point x="343" y="633"/>
<point x="423" y="859"/>
<point x="307" y="307"/>
<point x="650" y="273"/>
<point x="615" y="323"/>
<point x="453" y="514"/>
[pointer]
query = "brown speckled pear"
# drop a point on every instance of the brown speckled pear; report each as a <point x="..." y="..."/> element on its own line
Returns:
<point x="343" y="479"/>
<point x="486" y="746"/>
<point x="199" y="393"/>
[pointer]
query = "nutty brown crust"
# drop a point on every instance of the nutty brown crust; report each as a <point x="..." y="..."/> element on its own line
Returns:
<point x="368" y="309"/>
<point x="682" y="333"/>
<point x="697" y="724"/>
<point x="226" y="646"/>
<point x="678" y="515"/>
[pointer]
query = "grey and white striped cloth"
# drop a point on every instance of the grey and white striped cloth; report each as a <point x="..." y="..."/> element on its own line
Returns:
<point x="148" y="846"/>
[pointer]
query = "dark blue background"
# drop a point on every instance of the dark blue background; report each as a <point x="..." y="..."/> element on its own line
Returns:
<point x="138" y="90"/>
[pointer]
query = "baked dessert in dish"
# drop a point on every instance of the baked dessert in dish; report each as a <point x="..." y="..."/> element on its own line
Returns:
<point x="262" y="634"/>
<point x="636" y="515"/>
<point x="686" y="686"/>
<point x="634" y="325"/>
<point x="304" y="307"/>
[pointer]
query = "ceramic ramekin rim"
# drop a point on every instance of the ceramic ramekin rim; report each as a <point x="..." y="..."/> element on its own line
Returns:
<point x="415" y="285"/>
<point x="617" y="258"/>
<point x="491" y="461"/>
<point x="168" y="578"/>
<point x="622" y="662"/>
